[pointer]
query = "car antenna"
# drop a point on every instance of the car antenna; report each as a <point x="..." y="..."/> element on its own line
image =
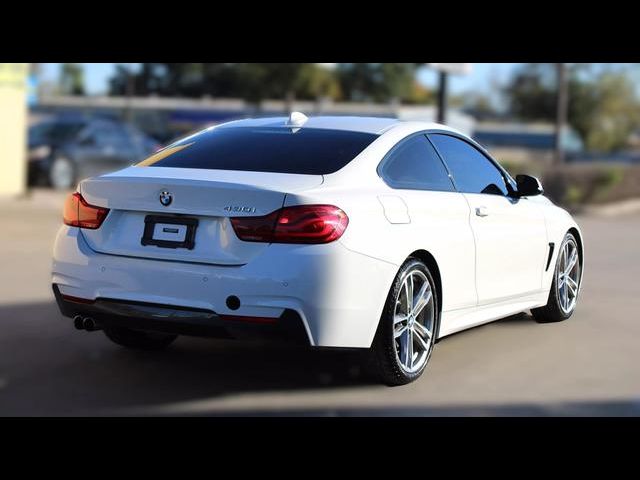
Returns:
<point x="296" y="119"/>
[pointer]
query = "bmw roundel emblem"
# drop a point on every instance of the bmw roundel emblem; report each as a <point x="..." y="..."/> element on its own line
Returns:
<point x="166" y="198"/>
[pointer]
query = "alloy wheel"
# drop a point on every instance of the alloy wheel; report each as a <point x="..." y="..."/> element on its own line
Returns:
<point x="413" y="321"/>
<point x="568" y="276"/>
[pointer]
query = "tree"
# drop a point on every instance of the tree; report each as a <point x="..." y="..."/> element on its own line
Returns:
<point x="377" y="82"/>
<point x="480" y="106"/>
<point x="532" y="92"/>
<point x="605" y="112"/>
<point x="318" y="82"/>
<point x="603" y="106"/>
<point x="71" y="79"/>
<point x="259" y="81"/>
<point x="254" y="82"/>
<point x="420" y="95"/>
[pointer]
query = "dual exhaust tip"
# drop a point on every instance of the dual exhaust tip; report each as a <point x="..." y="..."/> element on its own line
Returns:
<point x="85" y="323"/>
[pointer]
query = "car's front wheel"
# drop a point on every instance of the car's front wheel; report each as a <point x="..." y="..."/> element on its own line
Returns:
<point x="406" y="334"/>
<point x="563" y="296"/>
<point x="139" y="340"/>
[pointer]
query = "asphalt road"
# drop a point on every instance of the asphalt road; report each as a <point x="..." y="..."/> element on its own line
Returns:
<point x="589" y="365"/>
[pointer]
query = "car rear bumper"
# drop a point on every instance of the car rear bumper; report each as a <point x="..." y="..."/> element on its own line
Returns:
<point x="336" y="294"/>
<point x="288" y="328"/>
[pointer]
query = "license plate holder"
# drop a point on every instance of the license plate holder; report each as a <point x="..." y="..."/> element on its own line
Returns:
<point x="169" y="232"/>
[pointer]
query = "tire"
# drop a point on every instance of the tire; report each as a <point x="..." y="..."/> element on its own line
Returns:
<point x="562" y="301"/>
<point x="139" y="340"/>
<point x="62" y="174"/>
<point x="390" y="350"/>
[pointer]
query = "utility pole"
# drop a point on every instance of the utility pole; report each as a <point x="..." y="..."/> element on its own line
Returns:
<point x="443" y="78"/>
<point x="444" y="70"/>
<point x="561" y="111"/>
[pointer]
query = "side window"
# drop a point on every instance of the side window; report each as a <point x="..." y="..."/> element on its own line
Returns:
<point x="472" y="171"/>
<point x="104" y="135"/>
<point x="108" y="135"/>
<point x="415" y="165"/>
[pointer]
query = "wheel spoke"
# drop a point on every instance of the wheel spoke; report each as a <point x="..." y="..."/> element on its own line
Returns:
<point x="424" y="297"/>
<point x="399" y="318"/>
<point x="561" y="281"/>
<point x="404" y="348"/>
<point x="410" y="348"/>
<point x="409" y="293"/>
<point x="422" y="331"/>
<point x="400" y="331"/>
<point x="421" y="341"/>
<point x="573" y="286"/>
<point x="573" y="259"/>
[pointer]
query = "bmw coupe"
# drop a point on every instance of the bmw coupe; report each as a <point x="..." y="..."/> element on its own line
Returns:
<point x="350" y="232"/>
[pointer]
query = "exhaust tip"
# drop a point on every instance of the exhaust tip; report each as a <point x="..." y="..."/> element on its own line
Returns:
<point x="78" y="322"/>
<point x="90" y="325"/>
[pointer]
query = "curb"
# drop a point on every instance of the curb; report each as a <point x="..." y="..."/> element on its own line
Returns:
<point x="624" y="207"/>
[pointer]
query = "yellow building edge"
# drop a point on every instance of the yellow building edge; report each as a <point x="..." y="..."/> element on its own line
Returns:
<point x="13" y="128"/>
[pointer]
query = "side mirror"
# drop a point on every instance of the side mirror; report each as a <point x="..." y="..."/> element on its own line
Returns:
<point x="528" y="186"/>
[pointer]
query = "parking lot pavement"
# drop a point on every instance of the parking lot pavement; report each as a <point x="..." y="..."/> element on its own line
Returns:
<point x="589" y="365"/>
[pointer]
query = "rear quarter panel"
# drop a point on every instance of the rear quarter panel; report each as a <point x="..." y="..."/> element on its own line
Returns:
<point x="438" y="224"/>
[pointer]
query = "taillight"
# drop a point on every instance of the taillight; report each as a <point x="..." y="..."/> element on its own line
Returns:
<point x="300" y="224"/>
<point x="78" y="213"/>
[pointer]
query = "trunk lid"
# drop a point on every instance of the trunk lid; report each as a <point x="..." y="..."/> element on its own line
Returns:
<point x="209" y="196"/>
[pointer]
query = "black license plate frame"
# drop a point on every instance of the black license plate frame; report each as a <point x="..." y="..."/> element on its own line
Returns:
<point x="150" y="222"/>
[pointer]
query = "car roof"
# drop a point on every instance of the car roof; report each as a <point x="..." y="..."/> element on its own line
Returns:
<point x="374" y="125"/>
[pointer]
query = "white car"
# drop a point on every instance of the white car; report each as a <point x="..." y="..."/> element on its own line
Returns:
<point x="366" y="233"/>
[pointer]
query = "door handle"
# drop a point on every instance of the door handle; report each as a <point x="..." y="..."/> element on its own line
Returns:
<point x="482" y="211"/>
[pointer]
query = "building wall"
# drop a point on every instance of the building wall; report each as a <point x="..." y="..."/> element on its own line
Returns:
<point x="13" y="125"/>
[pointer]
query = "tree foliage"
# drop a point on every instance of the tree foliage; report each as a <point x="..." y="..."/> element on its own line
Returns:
<point x="603" y="106"/>
<point x="378" y="82"/>
<point x="254" y="82"/>
<point x="71" y="79"/>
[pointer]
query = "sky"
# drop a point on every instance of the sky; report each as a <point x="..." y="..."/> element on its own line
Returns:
<point x="482" y="76"/>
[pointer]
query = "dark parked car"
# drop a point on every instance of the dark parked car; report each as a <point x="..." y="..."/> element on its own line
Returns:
<point x="63" y="151"/>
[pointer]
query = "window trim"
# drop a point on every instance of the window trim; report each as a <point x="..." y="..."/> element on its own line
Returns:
<point x="391" y="184"/>
<point x="508" y="180"/>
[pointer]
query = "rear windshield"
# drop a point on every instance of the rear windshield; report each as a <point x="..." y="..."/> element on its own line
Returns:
<point x="284" y="150"/>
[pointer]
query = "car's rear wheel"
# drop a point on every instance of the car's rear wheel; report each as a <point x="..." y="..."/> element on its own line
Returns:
<point x="62" y="174"/>
<point x="563" y="296"/>
<point x="405" y="337"/>
<point x="139" y="340"/>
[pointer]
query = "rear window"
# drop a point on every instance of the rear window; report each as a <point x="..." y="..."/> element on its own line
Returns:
<point x="284" y="150"/>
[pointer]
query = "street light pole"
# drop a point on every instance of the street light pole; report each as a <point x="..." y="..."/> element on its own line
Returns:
<point x="561" y="111"/>
<point x="442" y="96"/>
